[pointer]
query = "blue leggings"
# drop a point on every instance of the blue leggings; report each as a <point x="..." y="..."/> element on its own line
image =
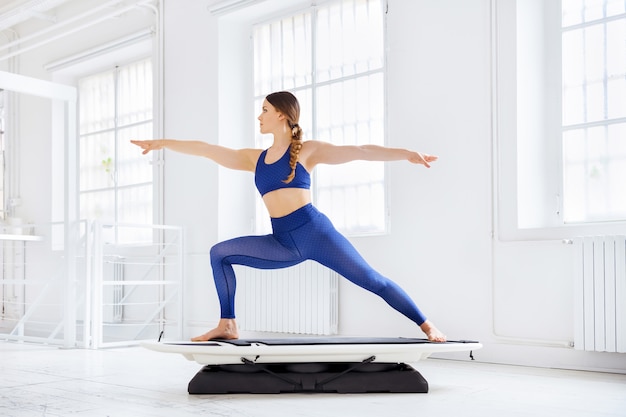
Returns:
<point x="304" y="234"/>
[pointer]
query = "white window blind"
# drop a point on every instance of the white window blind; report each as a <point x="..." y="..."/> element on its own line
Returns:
<point x="332" y="58"/>
<point x="116" y="185"/>
<point x="594" y="110"/>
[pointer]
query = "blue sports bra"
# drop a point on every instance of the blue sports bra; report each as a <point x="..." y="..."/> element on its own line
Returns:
<point x="269" y="177"/>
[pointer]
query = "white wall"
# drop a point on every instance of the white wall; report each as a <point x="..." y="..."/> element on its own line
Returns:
<point x="433" y="108"/>
<point x="439" y="102"/>
<point x="514" y="296"/>
<point x="191" y="112"/>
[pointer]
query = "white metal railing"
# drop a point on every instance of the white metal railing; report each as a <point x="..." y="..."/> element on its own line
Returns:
<point x="137" y="284"/>
<point x="120" y="290"/>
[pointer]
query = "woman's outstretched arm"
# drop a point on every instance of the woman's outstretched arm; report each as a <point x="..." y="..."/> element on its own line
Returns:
<point x="319" y="152"/>
<point x="240" y="159"/>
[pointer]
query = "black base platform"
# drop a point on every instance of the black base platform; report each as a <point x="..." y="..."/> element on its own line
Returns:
<point x="275" y="378"/>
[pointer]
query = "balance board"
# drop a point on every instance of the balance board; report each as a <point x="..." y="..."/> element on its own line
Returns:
<point x="308" y="364"/>
<point x="309" y="349"/>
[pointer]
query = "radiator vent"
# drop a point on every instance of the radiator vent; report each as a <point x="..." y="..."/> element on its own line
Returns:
<point x="113" y="295"/>
<point x="600" y="293"/>
<point x="302" y="299"/>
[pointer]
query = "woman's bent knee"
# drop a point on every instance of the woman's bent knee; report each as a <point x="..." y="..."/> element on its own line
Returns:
<point x="218" y="251"/>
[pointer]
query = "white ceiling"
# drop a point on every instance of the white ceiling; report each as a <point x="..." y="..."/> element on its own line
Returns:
<point x="18" y="11"/>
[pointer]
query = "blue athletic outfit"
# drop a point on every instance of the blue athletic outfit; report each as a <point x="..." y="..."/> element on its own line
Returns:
<point x="303" y="234"/>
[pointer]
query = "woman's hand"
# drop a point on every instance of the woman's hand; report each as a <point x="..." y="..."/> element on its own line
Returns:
<point x="148" y="145"/>
<point x="422" y="158"/>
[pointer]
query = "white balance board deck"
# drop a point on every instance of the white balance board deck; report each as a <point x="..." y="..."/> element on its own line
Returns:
<point x="309" y="349"/>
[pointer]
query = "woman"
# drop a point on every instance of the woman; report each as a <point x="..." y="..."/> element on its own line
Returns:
<point x="300" y="231"/>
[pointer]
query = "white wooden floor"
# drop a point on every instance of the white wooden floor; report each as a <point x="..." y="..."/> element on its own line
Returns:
<point x="48" y="381"/>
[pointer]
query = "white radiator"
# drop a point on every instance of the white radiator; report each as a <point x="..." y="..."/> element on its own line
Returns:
<point x="300" y="299"/>
<point x="113" y="295"/>
<point x="600" y="293"/>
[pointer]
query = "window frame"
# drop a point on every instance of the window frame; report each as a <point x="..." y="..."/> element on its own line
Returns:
<point x="142" y="45"/>
<point x="116" y="130"/>
<point x="508" y="157"/>
<point x="605" y="122"/>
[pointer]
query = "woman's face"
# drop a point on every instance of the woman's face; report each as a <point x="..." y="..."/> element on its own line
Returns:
<point x="270" y="120"/>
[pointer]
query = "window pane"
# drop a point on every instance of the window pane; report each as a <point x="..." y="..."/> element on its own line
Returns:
<point x="97" y="153"/>
<point x="135" y="93"/>
<point x="351" y="113"/>
<point x="295" y="59"/>
<point x="135" y="205"/>
<point x="353" y="206"/>
<point x="98" y="205"/>
<point x="132" y="167"/>
<point x="593" y="10"/>
<point x="573" y="78"/>
<point x="282" y="54"/>
<point x="97" y="103"/>
<point x="616" y="47"/>
<point x="115" y="179"/>
<point x="616" y="100"/>
<point x="571" y="12"/>
<point x="349" y="39"/>
<point x="580" y="11"/>
<point x="262" y="70"/>
<point x="594" y="71"/>
<point x="616" y="68"/>
<point x="594" y="101"/>
<point x="615" y="7"/>
<point x="595" y="173"/>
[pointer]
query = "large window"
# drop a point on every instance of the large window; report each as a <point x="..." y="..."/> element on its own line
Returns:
<point x="332" y="58"/>
<point x="594" y="110"/>
<point x="116" y="185"/>
<point x="560" y="89"/>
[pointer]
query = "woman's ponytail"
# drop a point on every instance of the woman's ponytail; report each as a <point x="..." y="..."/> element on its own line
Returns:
<point x="294" y="150"/>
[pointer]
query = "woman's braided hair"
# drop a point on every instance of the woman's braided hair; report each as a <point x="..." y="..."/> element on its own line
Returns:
<point x="287" y="104"/>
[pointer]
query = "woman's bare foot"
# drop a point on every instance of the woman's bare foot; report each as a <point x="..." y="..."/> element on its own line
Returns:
<point x="226" y="329"/>
<point x="433" y="333"/>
